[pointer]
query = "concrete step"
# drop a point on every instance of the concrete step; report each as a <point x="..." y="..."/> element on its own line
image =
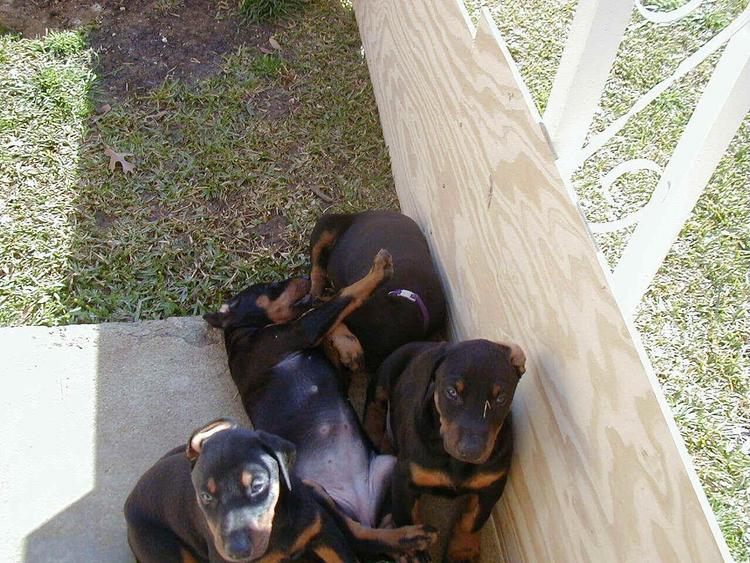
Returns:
<point x="84" y="410"/>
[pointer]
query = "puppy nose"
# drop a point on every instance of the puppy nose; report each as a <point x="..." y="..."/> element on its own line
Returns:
<point x="471" y="446"/>
<point x="239" y="544"/>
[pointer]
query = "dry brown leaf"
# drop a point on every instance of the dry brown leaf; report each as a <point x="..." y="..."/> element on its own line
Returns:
<point x="273" y="43"/>
<point x="265" y="50"/>
<point x="115" y="157"/>
<point x="156" y="115"/>
<point x="318" y="192"/>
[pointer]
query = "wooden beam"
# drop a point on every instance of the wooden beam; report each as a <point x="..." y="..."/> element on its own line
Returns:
<point x="600" y="472"/>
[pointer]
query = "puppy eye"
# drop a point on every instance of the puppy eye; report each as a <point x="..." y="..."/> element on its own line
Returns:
<point x="257" y="487"/>
<point x="206" y="497"/>
<point x="500" y="400"/>
<point x="451" y="393"/>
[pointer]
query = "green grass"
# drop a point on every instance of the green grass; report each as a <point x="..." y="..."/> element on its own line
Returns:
<point x="44" y="85"/>
<point x="694" y="320"/>
<point x="224" y="188"/>
<point x="269" y="10"/>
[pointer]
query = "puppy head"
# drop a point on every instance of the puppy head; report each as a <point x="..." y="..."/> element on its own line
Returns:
<point x="474" y="384"/>
<point x="238" y="476"/>
<point x="262" y="304"/>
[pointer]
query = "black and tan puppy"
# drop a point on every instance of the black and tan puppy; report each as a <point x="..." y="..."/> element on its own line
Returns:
<point x="445" y="409"/>
<point x="232" y="495"/>
<point x="289" y="388"/>
<point x="408" y="307"/>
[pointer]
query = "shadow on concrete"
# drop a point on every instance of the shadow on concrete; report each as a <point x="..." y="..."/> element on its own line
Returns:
<point x="151" y="383"/>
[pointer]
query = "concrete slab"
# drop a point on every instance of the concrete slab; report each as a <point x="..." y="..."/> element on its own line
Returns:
<point x="84" y="410"/>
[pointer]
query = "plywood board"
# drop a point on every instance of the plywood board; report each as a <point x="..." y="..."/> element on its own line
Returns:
<point x="600" y="473"/>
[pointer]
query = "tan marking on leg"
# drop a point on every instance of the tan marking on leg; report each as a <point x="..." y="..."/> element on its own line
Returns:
<point x="359" y="291"/>
<point x="397" y="540"/>
<point x="327" y="554"/>
<point x="331" y="352"/>
<point x="483" y="480"/>
<point x="464" y="545"/>
<point x="416" y="512"/>
<point x="187" y="557"/>
<point x="281" y="309"/>
<point x="423" y="477"/>
<point x="318" y="274"/>
<point x="346" y="348"/>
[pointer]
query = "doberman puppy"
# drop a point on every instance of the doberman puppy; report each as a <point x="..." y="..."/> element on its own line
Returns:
<point x="445" y="409"/>
<point x="231" y="495"/>
<point x="408" y="307"/>
<point x="289" y="388"/>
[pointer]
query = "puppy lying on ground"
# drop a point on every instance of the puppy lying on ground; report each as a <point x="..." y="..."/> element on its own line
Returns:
<point x="445" y="409"/>
<point x="289" y="388"/>
<point x="408" y="307"/>
<point x="231" y="495"/>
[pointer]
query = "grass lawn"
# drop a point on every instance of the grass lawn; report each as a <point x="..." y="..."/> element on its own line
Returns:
<point x="694" y="320"/>
<point x="231" y="173"/>
<point x="232" y="170"/>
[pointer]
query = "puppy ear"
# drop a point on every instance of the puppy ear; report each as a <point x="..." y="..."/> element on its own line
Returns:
<point x="196" y="440"/>
<point x="516" y="356"/>
<point x="221" y="318"/>
<point x="283" y="452"/>
<point x="428" y="362"/>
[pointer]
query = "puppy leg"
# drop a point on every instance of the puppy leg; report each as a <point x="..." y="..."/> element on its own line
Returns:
<point x="332" y="547"/>
<point x="274" y="342"/>
<point x="359" y="291"/>
<point x="376" y="541"/>
<point x="379" y="481"/>
<point x="378" y="391"/>
<point x="404" y="496"/>
<point x="344" y="349"/>
<point x="151" y="543"/>
<point x="375" y="420"/>
<point x="464" y="543"/>
<point x="323" y="238"/>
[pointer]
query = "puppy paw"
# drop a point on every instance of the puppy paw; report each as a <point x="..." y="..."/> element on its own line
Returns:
<point x="383" y="264"/>
<point x="416" y="557"/>
<point x="350" y="352"/>
<point x="418" y="538"/>
<point x="464" y="548"/>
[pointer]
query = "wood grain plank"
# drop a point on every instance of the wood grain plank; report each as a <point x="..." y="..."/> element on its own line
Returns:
<point x="600" y="473"/>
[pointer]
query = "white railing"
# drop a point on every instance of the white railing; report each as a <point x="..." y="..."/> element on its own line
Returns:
<point x="595" y="35"/>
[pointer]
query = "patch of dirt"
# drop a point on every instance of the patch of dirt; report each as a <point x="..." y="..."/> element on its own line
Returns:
<point x="140" y="43"/>
<point x="103" y="220"/>
<point x="272" y="104"/>
<point x="272" y="232"/>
